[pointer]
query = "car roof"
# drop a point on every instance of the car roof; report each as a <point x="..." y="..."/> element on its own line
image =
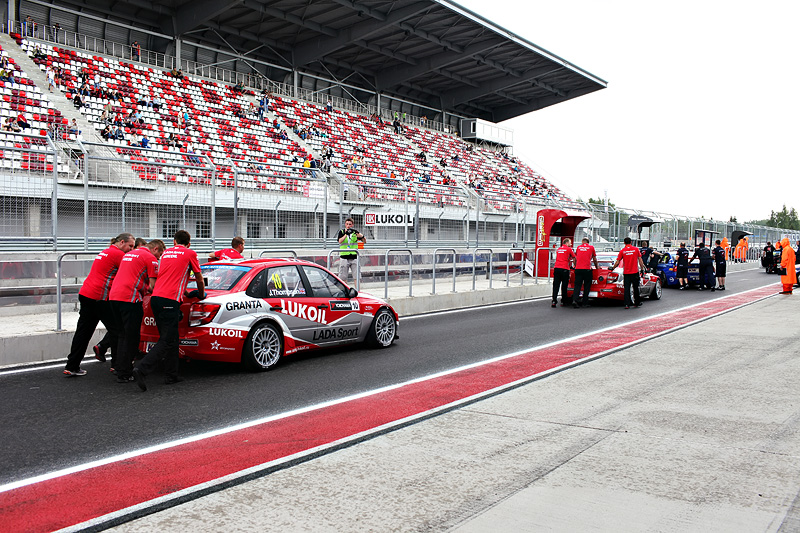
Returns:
<point x="262" y="261"/>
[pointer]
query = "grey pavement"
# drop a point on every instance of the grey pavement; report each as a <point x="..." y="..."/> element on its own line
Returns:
<point x="697" y="430"/>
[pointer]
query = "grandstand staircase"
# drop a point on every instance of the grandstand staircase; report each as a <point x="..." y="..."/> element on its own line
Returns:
<point x="100" y="170"/>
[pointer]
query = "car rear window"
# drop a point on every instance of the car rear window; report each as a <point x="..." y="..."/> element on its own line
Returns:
<point x="221" y="277"/>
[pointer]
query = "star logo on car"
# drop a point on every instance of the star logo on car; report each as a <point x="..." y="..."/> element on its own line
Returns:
<point x="215" y="345"/>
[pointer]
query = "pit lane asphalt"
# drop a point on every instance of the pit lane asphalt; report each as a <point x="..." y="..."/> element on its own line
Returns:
<point x="52" y="422"/>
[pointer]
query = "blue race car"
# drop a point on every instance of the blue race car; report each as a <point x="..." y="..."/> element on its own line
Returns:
<point x="667" y="270"/>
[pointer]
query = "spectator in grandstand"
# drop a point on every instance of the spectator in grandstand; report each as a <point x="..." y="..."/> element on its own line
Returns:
<point x="51" y="78"/>
<point x="96" y="80"/>
<point x="135" y="278"/>
<point x="73" y="127"/>
<point x="329" y="106"/>
<point x="11" y="125"/>
<point x="106" y="133"/>
<point x="4" y="75"/>
<point x="565" y="260"/>
<point x="234" y="252"/>
<point x="349" y="238"/>
<point x="276" y="124"/>
<point x="136" y="51"/>
<point x="94" y="307"/>
<point x="145" y="101"/>
<point x="119" y="135"/>
<point x="283" y="136"/>
<point x="28" y="26"/>
<point x="176" y="73"/>
<point x="22" y="122"/>
<point x="170" y="290"/>
<point x="156" y="103"/>
<point x="145" y="142"/>
<point x="396" y="125"/>
<point x="38" y="53"/>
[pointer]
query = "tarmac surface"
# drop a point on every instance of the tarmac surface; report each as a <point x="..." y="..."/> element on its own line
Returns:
<point x="696" y="430"/>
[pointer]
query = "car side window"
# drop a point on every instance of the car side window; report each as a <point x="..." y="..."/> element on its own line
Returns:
<point x="323" y="284"/>
<point x="258" y="286"/>
<point x="285" y="282"/>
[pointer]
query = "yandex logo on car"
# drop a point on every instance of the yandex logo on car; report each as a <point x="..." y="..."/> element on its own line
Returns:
<point x="303" y="311"/>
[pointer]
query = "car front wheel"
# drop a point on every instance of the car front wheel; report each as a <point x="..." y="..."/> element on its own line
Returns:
<point x="383" y="330"/>
<point x="263" y="348"/>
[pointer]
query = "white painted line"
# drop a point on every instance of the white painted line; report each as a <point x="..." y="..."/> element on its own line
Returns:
<point x="221" y="431"/>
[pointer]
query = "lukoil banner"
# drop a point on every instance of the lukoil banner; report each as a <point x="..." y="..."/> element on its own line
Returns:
<point x="388" y="219"/>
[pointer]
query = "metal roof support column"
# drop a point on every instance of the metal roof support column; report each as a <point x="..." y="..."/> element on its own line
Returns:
<point x="294" y="83"/>
<point x="178" y="42"/>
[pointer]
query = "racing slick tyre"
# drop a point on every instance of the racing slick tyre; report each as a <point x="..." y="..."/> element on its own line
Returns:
<point x="263" y="348"/>
<point x="655" y="294"/>
<point x="383" y="329"/>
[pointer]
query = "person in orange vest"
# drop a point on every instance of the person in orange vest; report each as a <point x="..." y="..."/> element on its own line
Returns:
<point x="727" y="247"/>
<point x="789" y="278"/>
<point x="740" y="254"/>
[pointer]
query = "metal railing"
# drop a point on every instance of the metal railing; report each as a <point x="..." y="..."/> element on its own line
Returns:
<point x="58" y="284"/>
<point x="358" y="264"/>
<point x="410" y="270"/>
<point x="521" y="266"/>
<point x="433" y="278"/>
<point x="474" y="264"/>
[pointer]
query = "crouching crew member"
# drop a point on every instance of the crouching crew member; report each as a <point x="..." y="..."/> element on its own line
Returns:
<point x="135" y="278"/>
<point x="93" y="298"/>
<point x="173" y="276"/>
<point x="234" y="252"/>
<point x="720" y="266"/>
<point x="632" y="267"/>
<point x="584" y="255"/>
<point x="565" y="259"/>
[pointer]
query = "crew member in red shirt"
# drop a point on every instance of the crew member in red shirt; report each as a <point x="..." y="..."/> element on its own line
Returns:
<point x="565" y="259"/>
<point x="584" y="255"/>
<point x="93" y="298"/>
<point x="135" y="278"/>
<point x="234" y="252"/>
<point x="632" y="268"/>
<point x="173" y="275"/>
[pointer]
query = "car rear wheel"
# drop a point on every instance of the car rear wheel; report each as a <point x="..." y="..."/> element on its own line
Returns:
<point x="383" y="330"/>
<point x="263" y="348"/>
<point x="655" y="294"/>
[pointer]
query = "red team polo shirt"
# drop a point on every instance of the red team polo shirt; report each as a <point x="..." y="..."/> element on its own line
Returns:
<point x="228" y="254"/>
<point x="101" y="275"/>
<point x="562" y="257"/>
<point x="583" y="256"/>
<point x="630" y="259"/>
<point x="135" y="271"/>
<point x="173" y="272"/>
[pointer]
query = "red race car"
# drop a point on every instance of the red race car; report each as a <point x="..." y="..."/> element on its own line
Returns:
<point x="607" y="284"/>
<point x="258" y="310"/>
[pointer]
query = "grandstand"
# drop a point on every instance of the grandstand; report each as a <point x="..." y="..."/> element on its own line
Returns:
<point x="272" y="120"/>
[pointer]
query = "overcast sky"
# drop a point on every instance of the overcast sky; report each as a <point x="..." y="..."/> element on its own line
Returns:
<point x="701" y="114"/>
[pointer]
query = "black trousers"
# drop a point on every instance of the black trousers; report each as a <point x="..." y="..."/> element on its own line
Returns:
<point x="561" y="280"/>
<point x="630" y="282"/>
<point x="128" y="316"/>
<point x="707" y="275"/>
<point x="168" y="316"/>
<point x="91" y="312"/>
<point x="583" y="280"/>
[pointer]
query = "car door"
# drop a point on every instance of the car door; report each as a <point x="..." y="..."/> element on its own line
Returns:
<point x="342" y="315"/>
<point x="285" y="292"/>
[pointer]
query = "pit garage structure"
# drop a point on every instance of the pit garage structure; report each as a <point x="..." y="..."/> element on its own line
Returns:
<point x="552" y="226"/>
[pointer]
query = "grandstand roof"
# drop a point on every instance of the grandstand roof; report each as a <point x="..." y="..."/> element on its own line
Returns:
<point x="434" y="52"/>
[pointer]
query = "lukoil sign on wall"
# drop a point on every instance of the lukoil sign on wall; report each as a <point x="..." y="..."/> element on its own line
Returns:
<point x="388" y="219"/>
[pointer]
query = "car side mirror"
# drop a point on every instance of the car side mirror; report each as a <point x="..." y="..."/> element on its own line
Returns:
<point x="352" y="293"/>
